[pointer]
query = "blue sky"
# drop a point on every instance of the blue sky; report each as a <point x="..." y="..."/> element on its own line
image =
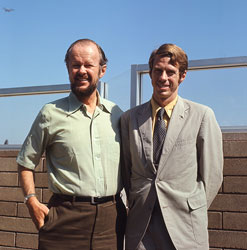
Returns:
<point x="36" y="35"/>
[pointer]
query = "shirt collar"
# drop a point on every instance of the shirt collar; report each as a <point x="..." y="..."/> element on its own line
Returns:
<point x="168" y="108"/>
<point x="103" y="105"/>
<point x="75" y="104"/>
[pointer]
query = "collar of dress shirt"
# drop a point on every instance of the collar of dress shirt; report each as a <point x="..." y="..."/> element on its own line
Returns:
<point x="168" y="108"/>
<point x="75" y="104"/>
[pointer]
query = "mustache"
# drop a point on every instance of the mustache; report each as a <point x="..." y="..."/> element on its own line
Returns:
<point x="80" y="77"/>
<point x="163" y="82"/>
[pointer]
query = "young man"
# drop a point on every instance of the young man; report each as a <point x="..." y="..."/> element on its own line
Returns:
<point x="81" y="139"/>
<point x="173" y="160"/>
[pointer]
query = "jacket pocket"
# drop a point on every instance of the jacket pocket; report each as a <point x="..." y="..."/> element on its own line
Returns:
<point x="199" y="219"/>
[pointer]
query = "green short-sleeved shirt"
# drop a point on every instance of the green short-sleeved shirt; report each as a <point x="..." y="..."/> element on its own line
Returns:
<point x="82" y="150"/>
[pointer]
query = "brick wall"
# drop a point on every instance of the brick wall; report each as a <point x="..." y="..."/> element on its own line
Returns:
<point x="227" y="214"/>
<point x="16" y="228"/>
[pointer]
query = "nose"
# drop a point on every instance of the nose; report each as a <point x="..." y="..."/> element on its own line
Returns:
<point x="82" y="70"/>
<point x="164" y="76"/>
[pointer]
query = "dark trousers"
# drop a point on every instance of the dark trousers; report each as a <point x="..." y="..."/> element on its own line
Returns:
<point x="156" y="236"/>
<point x="83" y="226"/>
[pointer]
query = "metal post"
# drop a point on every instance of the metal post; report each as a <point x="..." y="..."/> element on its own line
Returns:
<point x="214" y="63"/>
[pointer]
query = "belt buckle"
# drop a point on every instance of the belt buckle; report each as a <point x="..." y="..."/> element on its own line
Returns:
<point x="93" y="202"/>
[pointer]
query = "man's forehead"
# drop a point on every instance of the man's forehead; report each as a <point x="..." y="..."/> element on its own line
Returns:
<point x="164" y="59"/>
<point x="85" y="48"/>
<point x="84" y="45"/>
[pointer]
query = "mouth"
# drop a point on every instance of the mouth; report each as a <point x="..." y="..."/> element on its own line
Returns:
<point x="81" y="80"/>
<point x="164" y="86"/>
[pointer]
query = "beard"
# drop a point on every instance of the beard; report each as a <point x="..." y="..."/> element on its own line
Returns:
<point x="81" y="94"/>
<point x="85" y="93"/>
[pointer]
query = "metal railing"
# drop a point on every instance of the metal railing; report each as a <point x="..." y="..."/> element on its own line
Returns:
<point x="47" y="89"/>
<point x="40" y="90"/>
<point x="204" y="64"/>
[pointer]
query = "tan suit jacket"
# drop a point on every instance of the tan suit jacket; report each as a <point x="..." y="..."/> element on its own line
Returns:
<point x="188" y="178"/>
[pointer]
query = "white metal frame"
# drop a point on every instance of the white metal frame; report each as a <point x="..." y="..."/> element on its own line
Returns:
<point x="48" y="89"/>
<point x="40" y="90"/>
<point x="215" y="63"/>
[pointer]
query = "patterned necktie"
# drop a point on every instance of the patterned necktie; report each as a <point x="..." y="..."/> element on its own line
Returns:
<point x="158" y="136"/>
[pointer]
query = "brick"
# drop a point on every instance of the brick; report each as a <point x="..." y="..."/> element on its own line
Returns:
<point x="7" y="239"/>
<point x="11" y="194"/>
<point x="44" y="166"/>
<point x="230" y="203"/>
<point x="9" y="153"/>
<point x="8" y="208"/>
<point x="41" y="180"/>
<point x="228" y="239"/>
<point x="8" y="179"/>
<point x="235" y="148"/>
<point x="39" y="168"/>
<point x="220" y="190"/>
<point x="235" y="221"/>
<point x="8" y="164"/>
<point x="234" y="184"/>
<point x="22" y="211"/>
<point x="46" y="195"/>
<point x="15" y="224"/>
<point x="235" y="166"/>
<point x="27" y="240"/>
<point x="14" y="194"/>
<point x="214" y="220"/>
<point x="236" y="136"/>
<point x="12" y="248"/>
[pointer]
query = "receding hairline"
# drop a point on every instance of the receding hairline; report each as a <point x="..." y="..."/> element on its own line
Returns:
<point x="82" y="42"/>
<point x="79" y="43"/>
<point x="103" y="59"/>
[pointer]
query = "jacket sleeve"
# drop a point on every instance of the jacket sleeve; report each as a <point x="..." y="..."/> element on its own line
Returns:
<point x="210" y="155"/>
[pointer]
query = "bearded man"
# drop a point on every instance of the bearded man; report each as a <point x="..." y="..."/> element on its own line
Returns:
<point x="80" y="137"/>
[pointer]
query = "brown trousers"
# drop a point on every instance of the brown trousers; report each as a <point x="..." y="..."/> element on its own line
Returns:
<point x="83" y="226"/>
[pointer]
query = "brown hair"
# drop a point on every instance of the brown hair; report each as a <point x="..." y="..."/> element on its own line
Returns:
<point x="103" y="59"/>
<point x="177" y="55"/>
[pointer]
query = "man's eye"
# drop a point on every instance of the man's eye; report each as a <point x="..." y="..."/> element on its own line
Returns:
<point x="157" y="71"/>
<point x="88" y="65"/>
<point x="170" y="73"/>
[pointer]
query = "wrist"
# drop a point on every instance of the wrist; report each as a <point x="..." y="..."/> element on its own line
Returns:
<point x="27" y="197"/>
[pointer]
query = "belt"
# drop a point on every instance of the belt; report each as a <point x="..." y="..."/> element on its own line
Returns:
<point x="92" y="200"/>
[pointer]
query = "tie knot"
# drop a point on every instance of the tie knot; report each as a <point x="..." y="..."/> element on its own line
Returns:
<point x="160" y="113"/>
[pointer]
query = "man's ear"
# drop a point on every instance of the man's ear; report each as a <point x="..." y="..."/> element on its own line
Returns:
<point x="102" y="70"/>
<point x="182" y="77"/>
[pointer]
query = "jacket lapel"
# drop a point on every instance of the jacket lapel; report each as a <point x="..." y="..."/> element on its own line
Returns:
<point x="176" y="124"/>
<point x="144" y="120"/>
